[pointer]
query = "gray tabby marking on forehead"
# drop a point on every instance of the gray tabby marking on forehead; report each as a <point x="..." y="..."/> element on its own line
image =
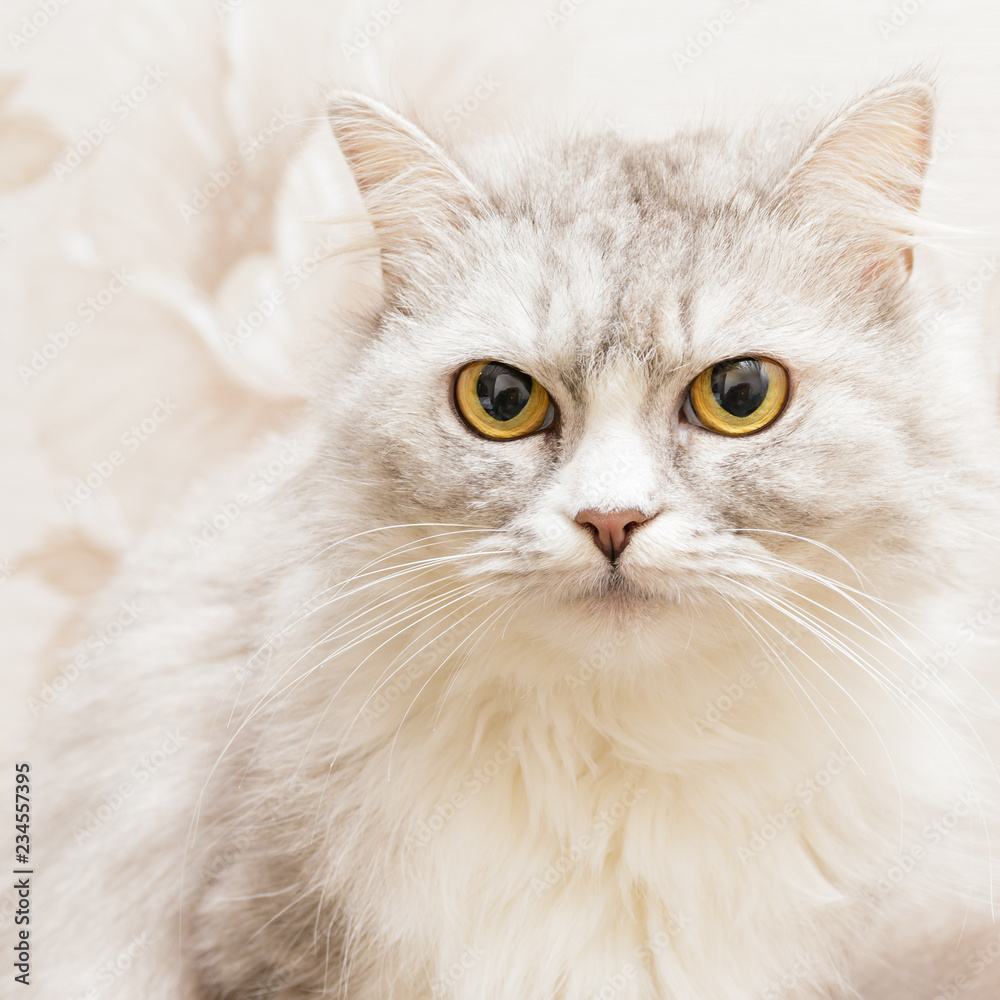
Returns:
<point x="699" y="207"/>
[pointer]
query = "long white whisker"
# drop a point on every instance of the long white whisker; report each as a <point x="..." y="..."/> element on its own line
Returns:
<point x="512" y="603"/>
<point x="779" y="660"/>
<point x="880" y="623"/>
<point x="271" y="696"/>
<point x="341" y="585"/>
<point x="381" y="626"/>
<point x="392" y="746"/>
<point x="803" y="538"/>
<point x="385" y="679"/>
<point x="379" y="683"/>
<point x="763" y="597"/>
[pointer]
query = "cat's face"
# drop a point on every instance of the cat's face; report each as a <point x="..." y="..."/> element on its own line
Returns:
<point x="614" y="277"/>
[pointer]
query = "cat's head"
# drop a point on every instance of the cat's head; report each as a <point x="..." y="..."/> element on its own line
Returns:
<point x="657" y="374"/>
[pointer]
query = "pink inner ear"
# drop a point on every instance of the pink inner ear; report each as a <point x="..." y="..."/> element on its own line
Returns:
<point x="907" y="256"/>
<point x="891" y="268"/>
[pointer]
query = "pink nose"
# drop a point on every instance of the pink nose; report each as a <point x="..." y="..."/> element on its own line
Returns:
<point x="612" y="528"/>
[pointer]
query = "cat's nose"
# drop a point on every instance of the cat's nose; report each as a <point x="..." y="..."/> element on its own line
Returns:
<point x="612" y="528"/>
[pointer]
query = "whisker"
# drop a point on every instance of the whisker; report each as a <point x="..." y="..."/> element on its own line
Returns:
<point x="779" y="660"/>
<point x="514" y="602"/>
<point x="414" y="543"/>
<point x="392" y="746"/>
<point x="763" y="597"/>
<point x="383" y="679"/>
<point x="836" y="587"/>
<point x="803" y="538"/>
<point x="379" y="683"/>
<point x="270" y="696"/>
<point x="381" y="626"/>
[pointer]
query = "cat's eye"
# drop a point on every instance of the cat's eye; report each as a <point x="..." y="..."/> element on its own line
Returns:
<point x="739" y="396"/>
<point x="502" y="402"/>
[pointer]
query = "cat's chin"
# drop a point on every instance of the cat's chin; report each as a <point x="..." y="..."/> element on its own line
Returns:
<point x="611" y="593"/>
<point x="624" y="600"/>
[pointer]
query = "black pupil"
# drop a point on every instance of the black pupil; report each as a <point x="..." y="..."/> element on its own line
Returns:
<point x="503" y="391"/>
<point x="739" y="386"/>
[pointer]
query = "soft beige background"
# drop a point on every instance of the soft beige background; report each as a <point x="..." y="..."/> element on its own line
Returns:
<point x="232" y="67"/>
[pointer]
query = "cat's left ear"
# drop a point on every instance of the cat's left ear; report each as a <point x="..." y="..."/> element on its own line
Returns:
<point x="410" y="187"/>
<point x="867" y="167"/>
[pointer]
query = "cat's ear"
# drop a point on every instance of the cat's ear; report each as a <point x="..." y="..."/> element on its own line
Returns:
<point x="867" y="167"/>
<point x="410" y="187"/>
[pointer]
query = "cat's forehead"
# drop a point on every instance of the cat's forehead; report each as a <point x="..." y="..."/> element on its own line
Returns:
<point x="610" y="256"/>
<point x="695" y="174"/>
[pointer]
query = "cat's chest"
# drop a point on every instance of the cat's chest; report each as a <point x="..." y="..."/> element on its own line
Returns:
<point x="566" y="843"/>
<point x="586" y="871"/>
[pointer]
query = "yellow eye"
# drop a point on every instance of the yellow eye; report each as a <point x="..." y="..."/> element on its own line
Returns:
<point x="501" y="402"/>
<point x="738" y="396"/>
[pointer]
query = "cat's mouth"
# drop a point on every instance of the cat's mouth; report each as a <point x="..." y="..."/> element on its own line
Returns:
<point x="619" y="586"/>
<point x="615" y="583"/>
<point x="620" y="601"/>
<point x="618" y="589"/>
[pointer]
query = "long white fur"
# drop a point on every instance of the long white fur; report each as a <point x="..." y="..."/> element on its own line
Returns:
<point x="408" y="611"/>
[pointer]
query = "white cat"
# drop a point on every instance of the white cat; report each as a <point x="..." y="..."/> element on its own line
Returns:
<point x="621" y="626"/>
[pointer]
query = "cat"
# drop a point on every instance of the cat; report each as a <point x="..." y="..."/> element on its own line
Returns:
<point x="620" y="626"/>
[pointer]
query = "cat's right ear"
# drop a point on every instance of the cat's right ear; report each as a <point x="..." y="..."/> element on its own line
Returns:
<point x="867" y="166"/>
<point x="410" y="187"/>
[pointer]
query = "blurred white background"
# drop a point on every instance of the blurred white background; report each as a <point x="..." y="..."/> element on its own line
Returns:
<point x="165" y="181"/>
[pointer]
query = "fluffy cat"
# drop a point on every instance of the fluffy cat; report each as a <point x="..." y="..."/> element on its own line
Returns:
<point x="619" y="627"/>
